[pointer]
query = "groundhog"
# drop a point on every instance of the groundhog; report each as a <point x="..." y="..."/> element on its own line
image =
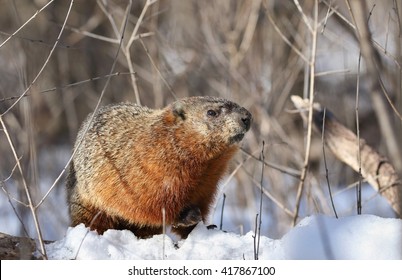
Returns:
<point x="140" y="169"/>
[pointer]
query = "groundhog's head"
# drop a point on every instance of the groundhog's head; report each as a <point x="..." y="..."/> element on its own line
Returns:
<point x="210" y="122"/>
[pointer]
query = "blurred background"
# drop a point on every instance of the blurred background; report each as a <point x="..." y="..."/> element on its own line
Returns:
<point x="253" y="52"/>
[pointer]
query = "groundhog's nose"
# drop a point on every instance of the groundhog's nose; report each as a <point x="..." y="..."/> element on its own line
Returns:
<point x="246" y="119"/>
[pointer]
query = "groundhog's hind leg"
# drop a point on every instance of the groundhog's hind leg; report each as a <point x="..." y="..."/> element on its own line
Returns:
<point x="91" y="217"/>
<point x="100" y="221"/>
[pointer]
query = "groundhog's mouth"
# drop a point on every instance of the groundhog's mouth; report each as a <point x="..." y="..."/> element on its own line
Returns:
<point x="237" y="138"/>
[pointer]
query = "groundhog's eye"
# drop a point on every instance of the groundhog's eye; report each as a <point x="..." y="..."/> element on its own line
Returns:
<point x="212" y="113"/>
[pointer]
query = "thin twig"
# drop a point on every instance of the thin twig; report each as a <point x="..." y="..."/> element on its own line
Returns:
<point x="359" y="184"/>
<point x="387" y="33"/>
<point x="171" y="90"/>
<point x="139" y="22"/>
<point x="3" y="186"/>
<point x="70" y="85"/>
<point x="255" y="237"/>
<point x="304" y="17"/>
<point x="326" y="17"/>
<point x="223" y="206"/>
<point x="93" y="35"/>
<point x="41" y="42"/>
<point x="86" y="233"/>
<point x="127" y="47"/>
<point x="270" y="196"/>
<point x="325" y="164"/>
<point x="331" y="72"/>
<point x="261" y="193"/>
<point x="284" y="38"/>
<point x="101" y="5"/>
<point x="284" y="169"/>
<point x="163" y="231"/>
<point x="310" y="114"/>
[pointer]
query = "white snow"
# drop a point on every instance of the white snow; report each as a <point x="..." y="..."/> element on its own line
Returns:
<point x="362" y="237"/>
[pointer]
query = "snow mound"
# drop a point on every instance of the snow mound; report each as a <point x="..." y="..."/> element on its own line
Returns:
<point x="317" y="237"/>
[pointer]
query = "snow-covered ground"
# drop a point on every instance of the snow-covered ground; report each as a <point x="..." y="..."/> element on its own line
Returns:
<point x="213" y="254"/>
<point x="375" y="235"/>
<point x="363" y="237"/>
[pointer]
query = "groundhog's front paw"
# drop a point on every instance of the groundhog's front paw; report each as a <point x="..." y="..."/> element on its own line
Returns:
<point x="212" y="226"/>
<point x="189" y="216"/>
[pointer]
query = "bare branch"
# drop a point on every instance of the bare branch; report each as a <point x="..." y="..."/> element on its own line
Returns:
<point x="127" y="47"/>
<point x="325" y="164"/>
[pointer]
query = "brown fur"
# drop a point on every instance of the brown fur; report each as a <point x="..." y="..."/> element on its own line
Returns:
<point x="133" y="162"/>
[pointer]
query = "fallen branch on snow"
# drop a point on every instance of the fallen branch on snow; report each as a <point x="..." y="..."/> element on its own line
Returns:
<point x="375" y="168"/>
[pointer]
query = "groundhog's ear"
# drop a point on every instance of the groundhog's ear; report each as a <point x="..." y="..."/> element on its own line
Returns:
<point x="175" y="114"/>
<point x="178" y="110"/>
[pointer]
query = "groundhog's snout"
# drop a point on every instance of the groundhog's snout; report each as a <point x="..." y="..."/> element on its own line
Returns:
<point x="245" y="119"/>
